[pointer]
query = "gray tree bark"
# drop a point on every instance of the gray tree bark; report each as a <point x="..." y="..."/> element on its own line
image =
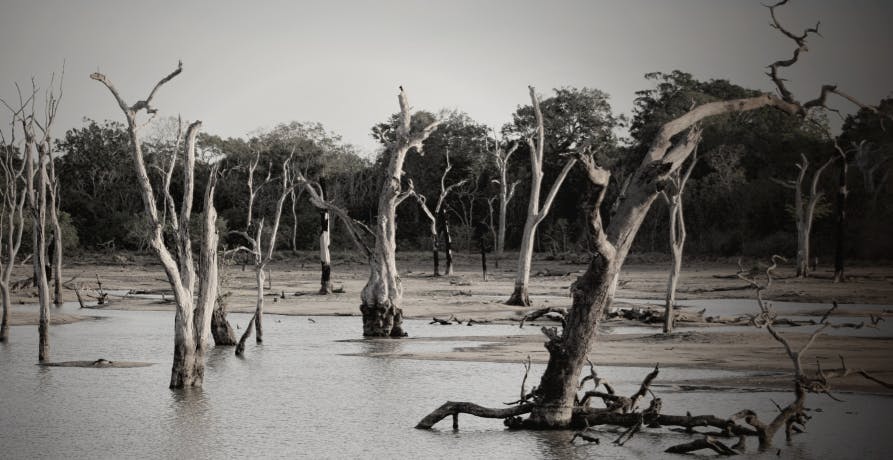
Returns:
<point x="193" y="313"/>
<point x="383" y="293"/>
<point x="12" y="218"/>
<point x="535" y="213"/>
<point x="674" y="200"/>
<point x="804" y="209"/>
<point x="506" y="192"/>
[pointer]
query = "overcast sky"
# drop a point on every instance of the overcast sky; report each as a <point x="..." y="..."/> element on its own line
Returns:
<point x="252" y="64"/>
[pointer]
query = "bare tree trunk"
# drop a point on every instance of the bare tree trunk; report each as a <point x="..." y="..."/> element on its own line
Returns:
<point x="447" y="242"/>
<point x="55" y="205"/>
<point x="676" y="245"/>
<point x="554" y="398"/>
<point x="439" y="213"/>
<point x="506" y="193"/>
<point x="4" y="320"/>
<point x="37" y="201"/>
<point x="12" y="218"/>
<point x="840" y="228"/>
<point x="192" y="320"/>
<point x="435" y="253"/>
<point x="325" y="259"/>
<point x="804" y="210"/>
<point x="535" y="214"/>
<point x="259" y="309"/>
<point x="383" y="293"/>
<point x="221" y="330"/>
<point x="677" y="237"/>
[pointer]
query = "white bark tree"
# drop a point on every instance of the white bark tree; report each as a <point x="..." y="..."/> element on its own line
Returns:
<point x="261" y="251"/>
<point x="438" y="210"/>
<point x="12" y="214"/>
<point x="192" y="321"/>
<point x="674" y="200"/>
<point x="535" y="211"/>
<point x="501" y="157"/>
<point x="383" y="293"/>
<point x="37" y="155"/>
<point x="804" y="208"/>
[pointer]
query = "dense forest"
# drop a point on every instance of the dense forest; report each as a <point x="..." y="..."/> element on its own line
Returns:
<point x="736" y="201"/>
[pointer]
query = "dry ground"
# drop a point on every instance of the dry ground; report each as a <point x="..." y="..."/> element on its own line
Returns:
<point x="295" y="281"/>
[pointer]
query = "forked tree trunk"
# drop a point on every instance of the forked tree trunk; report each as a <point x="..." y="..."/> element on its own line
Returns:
<point x="804" y="210"/>
<point x="192" y="320"/>
<point x="677" y="243"/>
<point x="262" y="257"/>
<point x="37" y="201"/>
<point x="506" y="193"/>
<point x="677" y="237"/>
<point x="12" y="224"/>
<point x="437" y="217"/>
<point x="383" y="293"/>
<point x="535" y="213"/>
<point x="593" y="291"/>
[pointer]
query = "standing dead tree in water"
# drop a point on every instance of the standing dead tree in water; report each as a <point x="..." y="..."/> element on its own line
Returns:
<point x="262" y="256"/>
<point x="804" y="210"/>
<point x="383" y="293"/>
<point x="37" y="154"/>
<point x="554" y="403"/>
<point x="674" y="199"/>
<point x="438" y="210"/>
<point x="535" y="212"/>
<point x="12" y="212"/>
<point x="501" y="157"/>
<point x="192" y="321"/>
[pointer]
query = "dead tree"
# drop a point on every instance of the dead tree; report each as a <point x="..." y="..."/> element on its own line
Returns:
<point x="501" y="157"/>
<point x="553" y="404"/>
<point x="432" y="216"/>
<point x="38" y="149"/>
<point x="12" y="212"/>
<point x="192" y="321"/>
<point x="535" y="212"/>
<point x="383" y="293"/>
<point x="804" y="209"/>
<point x="325" y="257"/>
<point x="840" y="214"/>
<point x="674" y="200"/>
<point x="357" y="231"/>
<point x="262" y="256"/>
<point x="871" y="161"/>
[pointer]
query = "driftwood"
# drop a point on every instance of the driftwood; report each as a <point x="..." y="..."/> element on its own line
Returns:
<point x="707" y="442"/>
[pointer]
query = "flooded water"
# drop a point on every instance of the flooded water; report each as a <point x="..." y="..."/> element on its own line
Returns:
<point x="305" y="393"/>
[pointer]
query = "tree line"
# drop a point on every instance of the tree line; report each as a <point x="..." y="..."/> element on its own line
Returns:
<point x="734" y="207"/>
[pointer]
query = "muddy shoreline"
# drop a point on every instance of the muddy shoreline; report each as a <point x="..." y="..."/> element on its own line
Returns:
<point x="295" y="282"/>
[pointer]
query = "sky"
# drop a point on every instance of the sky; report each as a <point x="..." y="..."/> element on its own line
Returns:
<point x="249" y="65"/>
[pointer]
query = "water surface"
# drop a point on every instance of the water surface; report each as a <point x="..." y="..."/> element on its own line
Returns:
<point x="304" y="393"/>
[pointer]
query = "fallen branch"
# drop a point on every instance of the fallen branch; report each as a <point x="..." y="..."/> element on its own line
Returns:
<point x="456" y="408"/>
<point x="707" y="442"/>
